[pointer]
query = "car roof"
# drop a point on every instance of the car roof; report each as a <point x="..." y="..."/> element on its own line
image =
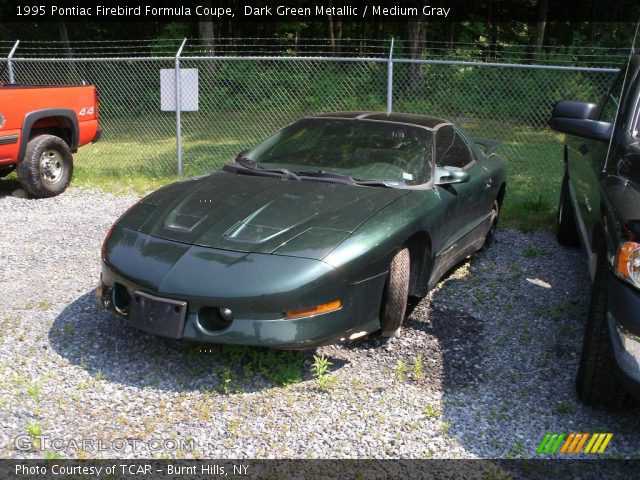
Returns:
<point x="405" y="118"/>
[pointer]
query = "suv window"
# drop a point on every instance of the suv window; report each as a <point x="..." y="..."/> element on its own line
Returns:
<point x="610" y="105"/>
<point x="451" y="149"/>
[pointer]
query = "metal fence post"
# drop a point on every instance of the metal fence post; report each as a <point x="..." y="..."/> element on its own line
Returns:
<point x="10" y="63"/>
<point x="390" y="80"/>
<point x="179" y="108"/>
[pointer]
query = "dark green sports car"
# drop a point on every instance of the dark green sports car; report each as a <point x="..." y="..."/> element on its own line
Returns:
<point x="319" y="234"/>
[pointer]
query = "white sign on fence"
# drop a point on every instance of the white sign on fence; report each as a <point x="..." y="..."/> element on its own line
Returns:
<point x="188" y="89"/>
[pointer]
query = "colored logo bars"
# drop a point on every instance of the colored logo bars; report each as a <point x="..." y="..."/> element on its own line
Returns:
<point x="574" y="443"/>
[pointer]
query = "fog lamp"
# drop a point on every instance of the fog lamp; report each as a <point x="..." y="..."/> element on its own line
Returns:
<point x="226" y="313"/>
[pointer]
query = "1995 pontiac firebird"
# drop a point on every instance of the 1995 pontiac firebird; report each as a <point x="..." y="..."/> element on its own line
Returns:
<point x="319" y="234"/>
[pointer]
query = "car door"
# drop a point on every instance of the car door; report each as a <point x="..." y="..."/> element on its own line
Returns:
<point x="466" y="203"/>
<point x="586" y="159"/>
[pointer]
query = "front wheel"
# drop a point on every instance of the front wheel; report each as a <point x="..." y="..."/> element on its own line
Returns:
<point x="596" y="381"/>
<point x="396" y="293"/>
<point x="47" y="166"/>
<point x="566" y="230"/>
<point x="495" y="213"/>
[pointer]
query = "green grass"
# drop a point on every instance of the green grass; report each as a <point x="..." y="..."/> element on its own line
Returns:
<point x="122" y="163"/>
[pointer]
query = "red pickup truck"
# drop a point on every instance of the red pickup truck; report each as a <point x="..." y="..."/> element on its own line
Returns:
<point x="40" y="127"/>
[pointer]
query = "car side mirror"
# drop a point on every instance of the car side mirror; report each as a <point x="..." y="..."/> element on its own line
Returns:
<point x="577" y="118"/>
<point x="450" y="175"/>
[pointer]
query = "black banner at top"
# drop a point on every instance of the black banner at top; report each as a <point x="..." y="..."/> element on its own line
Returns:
<point x="318" y="10"/>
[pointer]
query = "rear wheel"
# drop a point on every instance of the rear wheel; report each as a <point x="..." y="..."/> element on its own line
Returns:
<point x="47" y="166"/>
<point x="566" y="230"/>
<point x="396" y="292"/>
<point x="596" y="381"/>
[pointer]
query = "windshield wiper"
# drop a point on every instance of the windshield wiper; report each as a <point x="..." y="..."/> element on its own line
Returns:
<point x="343" y="178"/>
<point x="249" y="164"/>
<point x="374" y="183"/>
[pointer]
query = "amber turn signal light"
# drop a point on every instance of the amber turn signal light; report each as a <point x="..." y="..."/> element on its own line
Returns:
<point x="628" y="262"/>
<point x="316" y="310"/>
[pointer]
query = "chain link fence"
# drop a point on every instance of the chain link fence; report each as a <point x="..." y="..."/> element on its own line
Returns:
<point x="242" y="99"/>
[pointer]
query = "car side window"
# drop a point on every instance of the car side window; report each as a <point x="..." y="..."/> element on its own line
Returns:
<point x="451" y="149"/>
<point x="610" y="105"/>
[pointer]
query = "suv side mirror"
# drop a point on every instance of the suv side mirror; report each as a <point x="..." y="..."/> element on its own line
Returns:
<point x="450" y="175"/>
<point x="576" y="118"/>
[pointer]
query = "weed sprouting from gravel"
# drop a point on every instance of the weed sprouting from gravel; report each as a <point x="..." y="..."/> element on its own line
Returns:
<point x="565" y="407"/>
<point x="33" y="390"/>
<point x="400" y="370"/>
<point x="67" y="329"/>
<point x="45" y="305"/>
<point x="34" y="430"/>
<point x="418" y="368"/>
<point x="320" y="371"/>
<point x="532" y="252"/>
<point x="227" y="379"/>
<point x="432" y="411"/>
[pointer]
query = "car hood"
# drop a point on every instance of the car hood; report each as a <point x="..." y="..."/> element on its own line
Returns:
<point x="250" y="213"/>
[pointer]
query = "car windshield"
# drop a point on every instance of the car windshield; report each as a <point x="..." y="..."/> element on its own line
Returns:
<point x="364" y="150"/>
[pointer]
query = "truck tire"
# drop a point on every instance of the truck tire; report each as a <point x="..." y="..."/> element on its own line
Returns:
<point x="395" y="295"/>
<point x="47" y="166"/>
<point x="596" y="382"/>
<point x="566" y="230"/>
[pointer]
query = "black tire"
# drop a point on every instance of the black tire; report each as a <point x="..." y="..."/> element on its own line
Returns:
<point x="396" y="293"/>
<point x="47" y="167"/>
<point x="495" y="213"/>
<point x="566" y="230"/>
<point x="596" y="382"/>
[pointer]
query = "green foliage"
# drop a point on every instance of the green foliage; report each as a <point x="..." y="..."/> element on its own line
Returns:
<point x="320" y="371"/>
<point x="400" y="370"/>
<point x="532" y="252"/>
<point x="418" y="367"/>
<point x="34" y="430"/>
<point x="237" y="364"/>
<point x="565" y="407"/>
<point x="33" y="390"/>
<point x="431" y="411"/>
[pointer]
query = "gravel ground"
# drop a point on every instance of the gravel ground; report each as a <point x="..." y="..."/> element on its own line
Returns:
<point x="498" y="341"/>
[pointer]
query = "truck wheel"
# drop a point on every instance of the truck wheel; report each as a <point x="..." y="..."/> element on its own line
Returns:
<point x="566" y="230"/>
<point x="47" y="166"/>
<point x="396" y="292"/>
<point x="596" y="381"/>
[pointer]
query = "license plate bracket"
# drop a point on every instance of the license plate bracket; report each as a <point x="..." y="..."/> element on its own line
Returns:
<point x="160" y="316"/>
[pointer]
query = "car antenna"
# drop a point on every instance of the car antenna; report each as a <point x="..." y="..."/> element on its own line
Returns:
<point x="624" y="82"/>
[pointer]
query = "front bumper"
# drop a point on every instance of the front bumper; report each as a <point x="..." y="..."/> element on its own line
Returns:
<point x="252" y="326"/>
<point x="624" y="327"/>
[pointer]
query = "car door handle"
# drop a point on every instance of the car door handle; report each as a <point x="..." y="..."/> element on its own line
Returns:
<point x="583" y="149"/>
